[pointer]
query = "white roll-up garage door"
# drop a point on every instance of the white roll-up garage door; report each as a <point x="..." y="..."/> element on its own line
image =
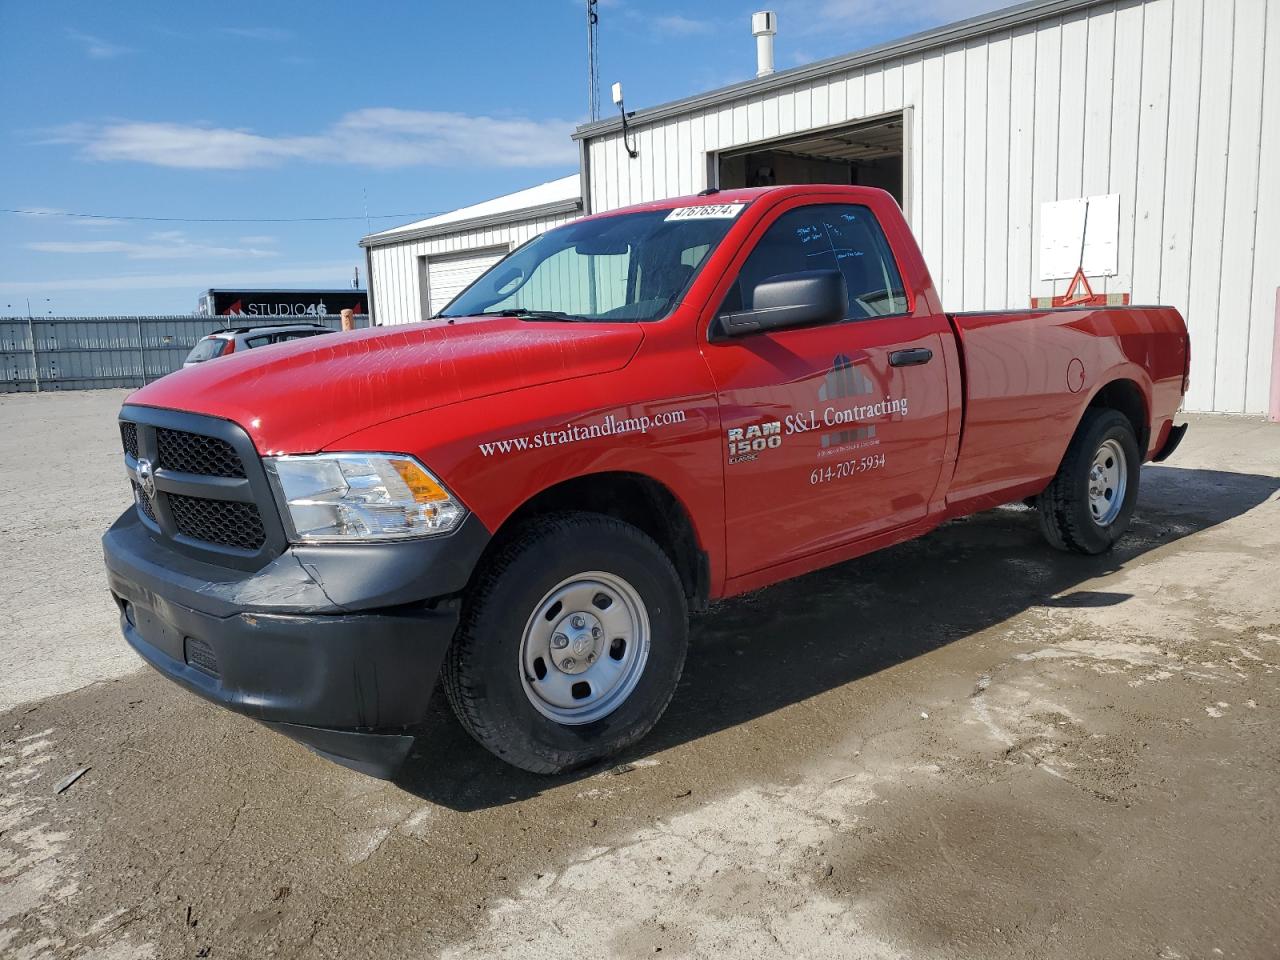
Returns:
<point x="449" y="276"/>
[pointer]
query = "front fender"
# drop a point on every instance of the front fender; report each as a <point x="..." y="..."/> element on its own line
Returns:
<point x="497" y="453"/>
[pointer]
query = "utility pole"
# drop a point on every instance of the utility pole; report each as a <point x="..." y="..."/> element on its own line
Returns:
<point x="593" y="60"/>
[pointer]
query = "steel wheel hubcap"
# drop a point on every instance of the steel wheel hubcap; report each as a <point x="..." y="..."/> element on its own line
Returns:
<point x="1108" y="479"/>
<point x="584" y="648"/>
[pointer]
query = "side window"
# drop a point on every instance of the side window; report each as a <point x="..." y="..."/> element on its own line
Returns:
<point x="259" y="341"/>
<point x="844" y="237"/>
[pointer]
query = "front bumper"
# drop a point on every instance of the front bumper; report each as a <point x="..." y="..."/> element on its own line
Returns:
<point x="345" y="678"/>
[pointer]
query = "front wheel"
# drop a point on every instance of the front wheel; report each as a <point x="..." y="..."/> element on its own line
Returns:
<point x="1088" y="504"/>
<point x="570" y="645"/>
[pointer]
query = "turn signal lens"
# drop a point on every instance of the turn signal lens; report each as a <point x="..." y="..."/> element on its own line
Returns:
<point x="357" y="496"/>
<point x="421" y="484"/>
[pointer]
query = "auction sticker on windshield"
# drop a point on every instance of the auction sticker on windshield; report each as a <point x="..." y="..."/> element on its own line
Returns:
<point x="707" y="211"/>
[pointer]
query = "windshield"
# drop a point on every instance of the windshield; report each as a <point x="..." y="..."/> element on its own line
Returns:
<point x="631" y="267"/>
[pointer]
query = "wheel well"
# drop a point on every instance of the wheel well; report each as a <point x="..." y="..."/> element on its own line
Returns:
<point x="1126" y="397"/>
<point x="635" y="499"/>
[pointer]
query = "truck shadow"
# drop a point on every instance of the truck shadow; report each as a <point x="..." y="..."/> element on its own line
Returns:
<point x="758" y="653"/>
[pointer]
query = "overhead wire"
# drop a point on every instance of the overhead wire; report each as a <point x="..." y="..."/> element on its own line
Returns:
<point x="106" y="216"/>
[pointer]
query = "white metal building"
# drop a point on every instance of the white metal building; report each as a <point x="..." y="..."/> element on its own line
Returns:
<point x="416" y="269"/>
<point x="1166" y="111"/>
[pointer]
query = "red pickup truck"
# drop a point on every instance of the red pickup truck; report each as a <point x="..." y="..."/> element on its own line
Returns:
<point x="630" y="416"/>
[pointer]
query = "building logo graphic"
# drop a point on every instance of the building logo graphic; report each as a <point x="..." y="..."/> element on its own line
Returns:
<point x="846" y="380"/>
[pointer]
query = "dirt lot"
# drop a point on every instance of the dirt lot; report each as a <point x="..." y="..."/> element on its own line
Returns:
<point x="968" y="746"/>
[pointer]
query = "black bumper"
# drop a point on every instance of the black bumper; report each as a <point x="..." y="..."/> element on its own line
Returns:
<point x="345" y="679"/>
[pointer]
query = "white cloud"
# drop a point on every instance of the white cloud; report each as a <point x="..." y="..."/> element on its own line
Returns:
<point x="335" y="274"/>
<point x="257" y="33"/>
<point x="373" y="137"/>
<point x="169" y="245"/>
<point x="676" y="25"/>
<point x="259" y="240"/>
<point x="665" y="25"/>
<point x="96" y="47"/>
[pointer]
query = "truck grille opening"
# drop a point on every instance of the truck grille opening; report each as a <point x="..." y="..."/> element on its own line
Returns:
<point x="206" y="487"/>
<point x="192" y="453"/>
<point x="144" y="503"/>
<point x="129" y="435"/>
<point x="229" y="523"/>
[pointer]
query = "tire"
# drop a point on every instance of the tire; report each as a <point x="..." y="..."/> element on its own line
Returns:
<point x="556" y="570"/>
<point x="1073" y="519"/>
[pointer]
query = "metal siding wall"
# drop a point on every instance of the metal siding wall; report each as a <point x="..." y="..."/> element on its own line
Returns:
<point x="1153" y="147"/>
<point x="89" y="353"/>
<point x="911" y="94"/>
<point x="1126" y="121"/>
<point x="1172" y="104"/>
<point x="976" y="144"/>
<point x="995" y="239"/>
<point x="1266" y="242"/>
<point x="397" y="280"/>
<point x="929" y="226"/>
<point x="1235" y="291"/>
<point x="1208" y="220"/>
<point x="15" y="357"/>
<point x="1021" y="239"/>
<point x="1180" y="170"/>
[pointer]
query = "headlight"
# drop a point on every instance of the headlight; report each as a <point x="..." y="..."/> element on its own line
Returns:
<point x="359" y="496"/>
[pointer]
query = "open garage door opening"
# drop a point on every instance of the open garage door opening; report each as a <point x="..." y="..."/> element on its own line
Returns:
<point x="447" y="276"/>
<point x="869" y="154"/>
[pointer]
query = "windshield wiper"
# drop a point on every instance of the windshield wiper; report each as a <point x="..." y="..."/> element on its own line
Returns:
<point x="526" y="314"/>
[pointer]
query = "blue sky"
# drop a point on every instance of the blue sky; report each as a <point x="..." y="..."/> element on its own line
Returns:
<point x="187" y="112"/>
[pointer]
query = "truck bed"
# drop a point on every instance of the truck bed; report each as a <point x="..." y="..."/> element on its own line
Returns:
<point x="1028" y="375"/>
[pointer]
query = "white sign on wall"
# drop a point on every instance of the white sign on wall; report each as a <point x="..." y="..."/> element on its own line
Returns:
<point x="1080" y="233"/>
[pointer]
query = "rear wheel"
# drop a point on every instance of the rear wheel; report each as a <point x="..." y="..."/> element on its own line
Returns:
<point x="1088" y="505"/>
<point x="570" y="645"/>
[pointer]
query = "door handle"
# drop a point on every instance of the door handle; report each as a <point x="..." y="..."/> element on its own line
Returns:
<point x="910" y="358"/>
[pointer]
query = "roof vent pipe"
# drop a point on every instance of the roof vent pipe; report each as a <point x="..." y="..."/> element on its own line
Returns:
<point x="763" y="27"/>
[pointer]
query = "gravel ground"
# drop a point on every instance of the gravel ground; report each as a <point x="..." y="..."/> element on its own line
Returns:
<point x="966" y="746"/>
<point x="63" y="451"/>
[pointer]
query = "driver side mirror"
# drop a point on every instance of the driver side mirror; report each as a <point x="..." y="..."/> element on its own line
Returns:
<point x="791" y="300"/>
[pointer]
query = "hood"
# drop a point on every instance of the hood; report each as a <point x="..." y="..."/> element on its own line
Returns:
<point x="296" y="397"/>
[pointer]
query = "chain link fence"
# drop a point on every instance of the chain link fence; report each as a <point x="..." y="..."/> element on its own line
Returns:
<point x="92" y="353"/>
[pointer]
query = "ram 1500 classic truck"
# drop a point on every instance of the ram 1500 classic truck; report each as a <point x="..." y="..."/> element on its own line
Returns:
<point x="630" y="416"/>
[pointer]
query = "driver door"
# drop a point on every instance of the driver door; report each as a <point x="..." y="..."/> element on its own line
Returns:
<point x="836" y="431"/>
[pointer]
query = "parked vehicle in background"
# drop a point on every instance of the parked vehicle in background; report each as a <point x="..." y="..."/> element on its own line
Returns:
<point x="629" y="417"/>
<point x="223" y="343"/>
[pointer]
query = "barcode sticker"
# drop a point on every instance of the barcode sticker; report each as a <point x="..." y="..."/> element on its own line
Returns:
<point x="707" y="211"/>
